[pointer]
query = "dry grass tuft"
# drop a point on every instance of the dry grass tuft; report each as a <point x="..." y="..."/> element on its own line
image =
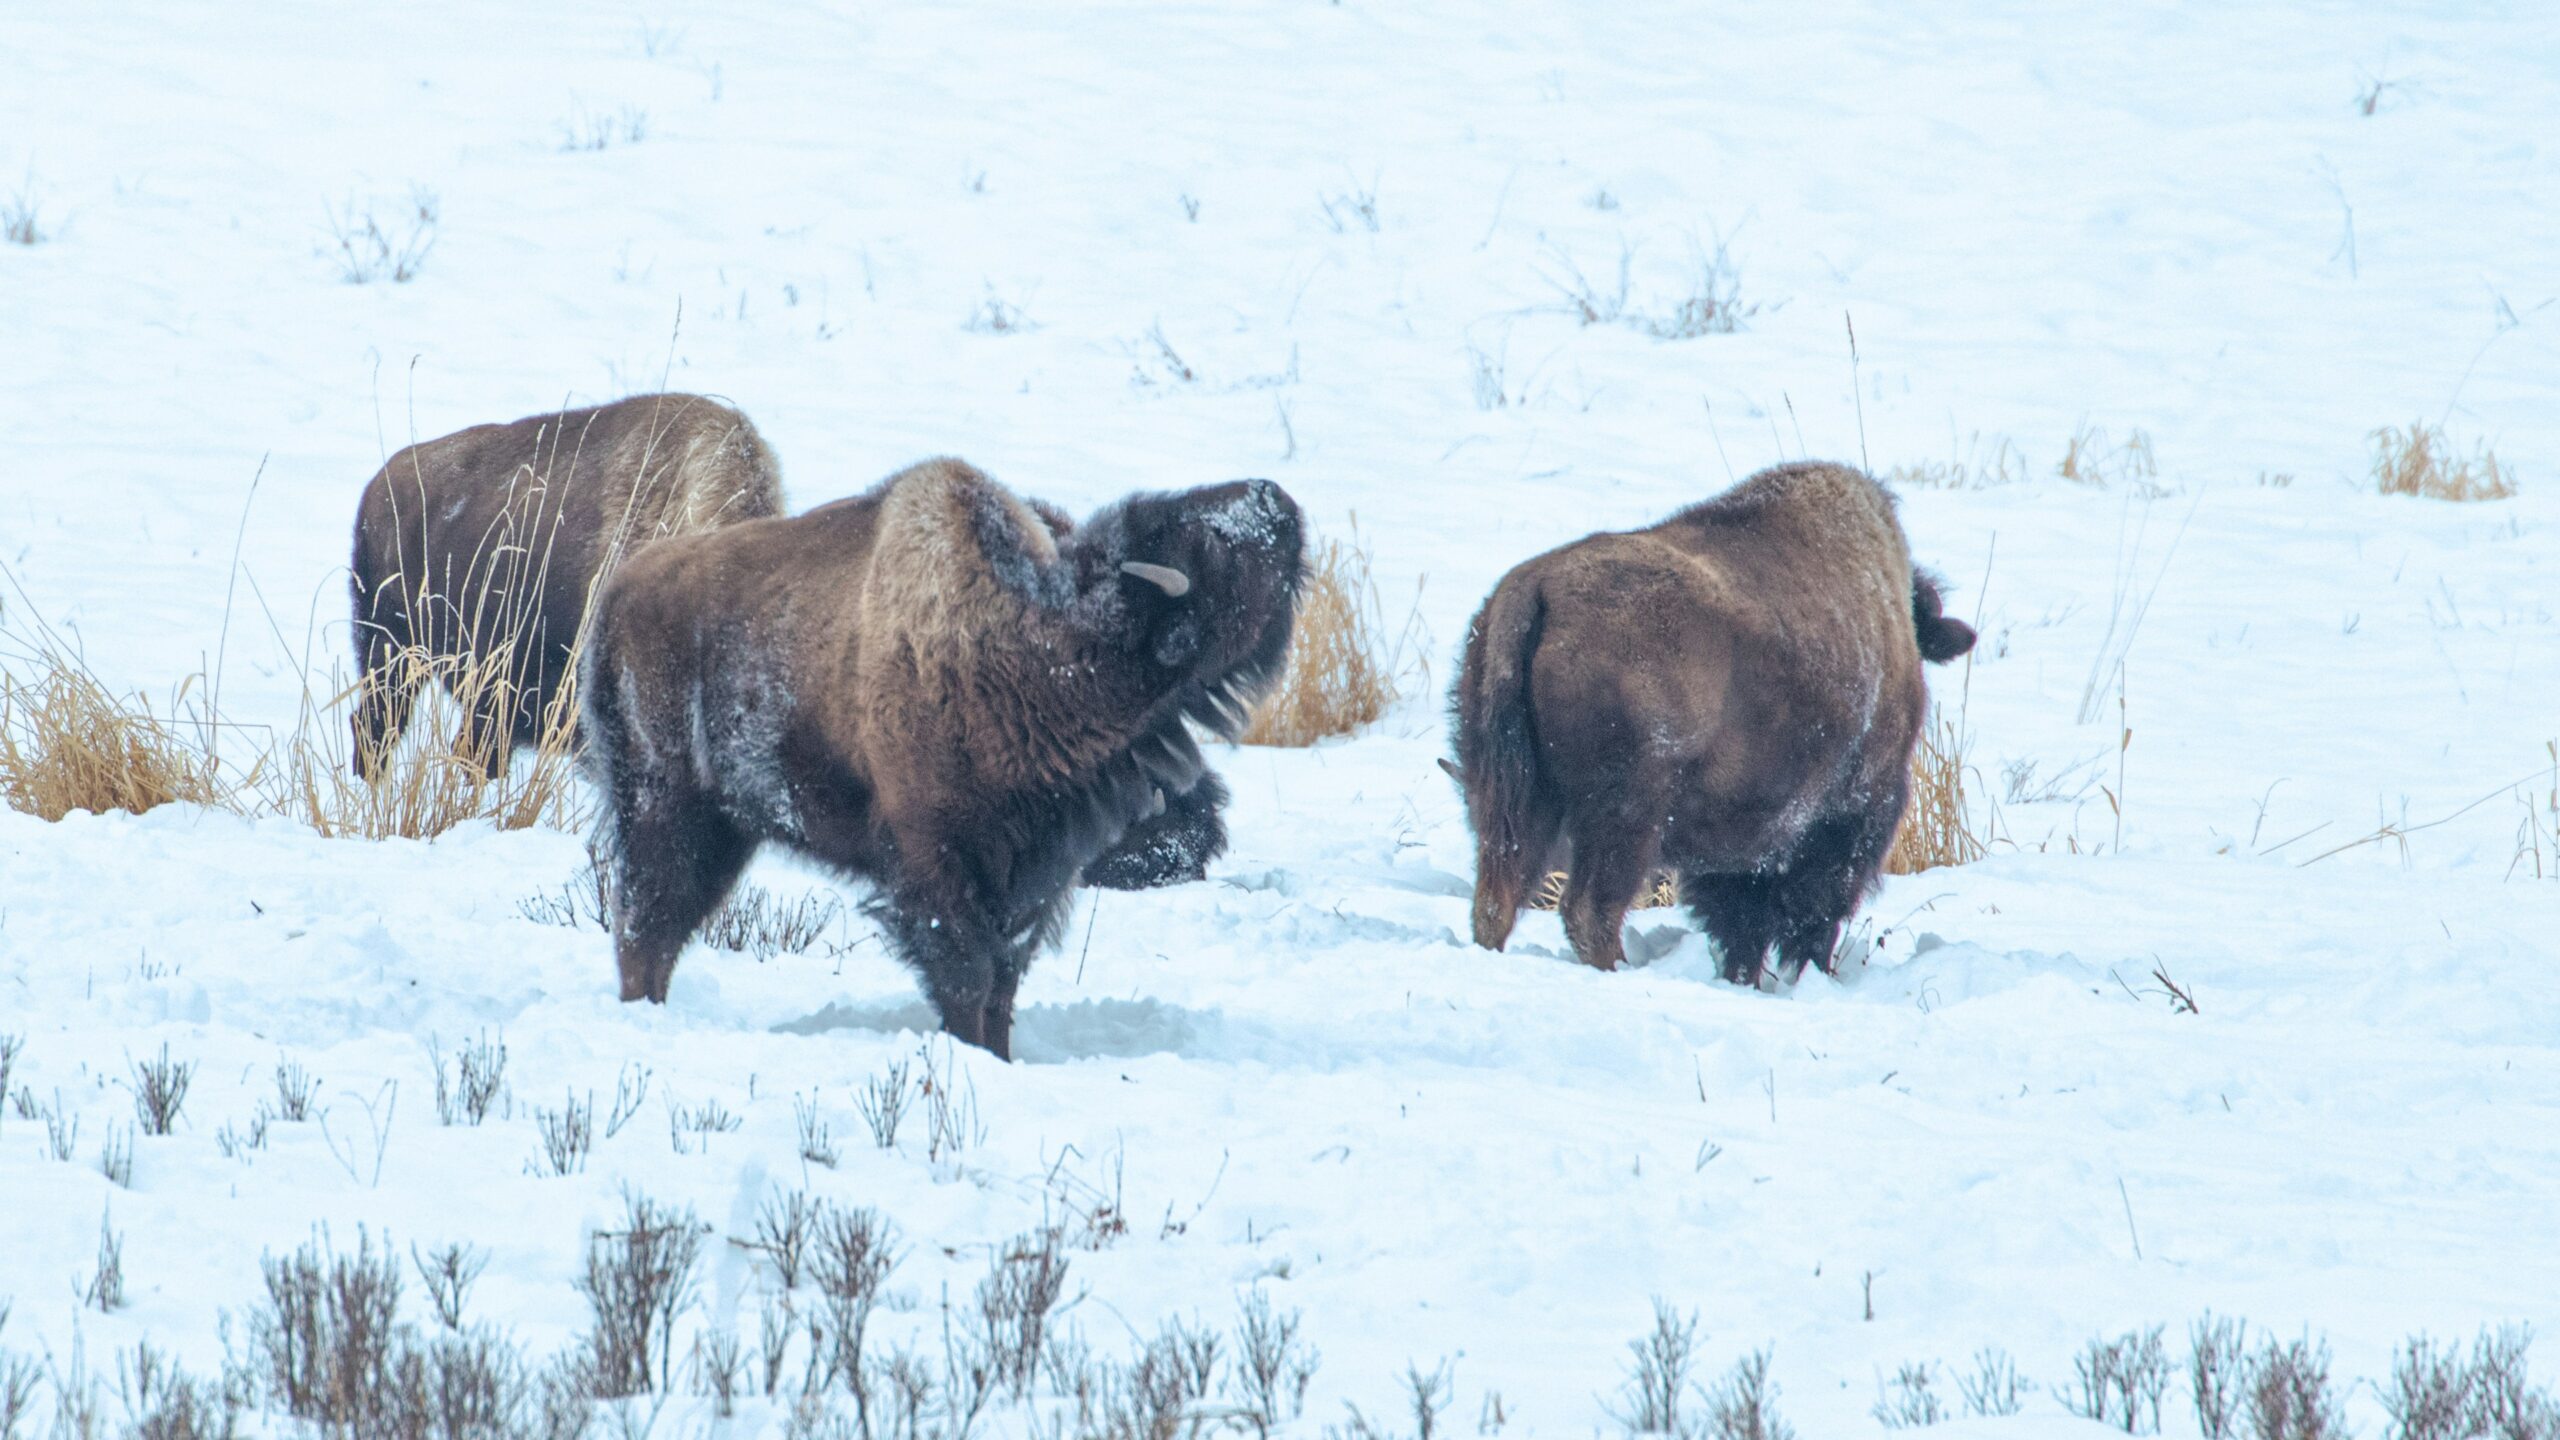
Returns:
<point x="68" y="742"/>
<point x="1937" y="824"/>
<point x="2420" y="461"/>
<point x="1664" y="891"/>
<point x="1342" y="673"/>
<point x="453" y="766"/>
<point x="1983" y="465"/>
<point x="2094" y="459"/>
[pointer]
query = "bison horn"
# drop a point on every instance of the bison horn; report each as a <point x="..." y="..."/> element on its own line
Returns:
<point x="1164" y="577"/>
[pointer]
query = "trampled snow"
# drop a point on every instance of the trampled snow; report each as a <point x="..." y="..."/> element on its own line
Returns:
<point x="1100" y="249"/>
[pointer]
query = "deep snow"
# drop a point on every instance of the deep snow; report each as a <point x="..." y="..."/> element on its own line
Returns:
<point x="2177" y="220"/>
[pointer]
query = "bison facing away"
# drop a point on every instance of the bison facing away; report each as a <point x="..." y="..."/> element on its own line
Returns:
<point x="475" y="553"/>
<point x="931" y="688"/>
<point x="1733" y="694"/>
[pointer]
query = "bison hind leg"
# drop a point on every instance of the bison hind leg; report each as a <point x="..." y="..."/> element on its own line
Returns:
<point x="1607" y="872"/>
<point x="673" y="863"/>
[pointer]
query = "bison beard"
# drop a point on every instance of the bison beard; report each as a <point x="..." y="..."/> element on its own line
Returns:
<point x="483" y="545"/>
<point x="933" y="688"/>
<point x="1734" y="694"/>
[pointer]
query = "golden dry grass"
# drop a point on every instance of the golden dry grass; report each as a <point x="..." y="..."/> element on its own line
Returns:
<point x="1937" y="823"/>
<point x="1665" y="890"/>
<point x="446" y="771"/>
<point x="68" y="743"/>
<point x="1342" y="673"/>
<point x="2095" y="459"/>
<point x="2421" y="461"/>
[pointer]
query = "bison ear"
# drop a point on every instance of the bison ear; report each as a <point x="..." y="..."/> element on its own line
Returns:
<point x="1450" y="768"/>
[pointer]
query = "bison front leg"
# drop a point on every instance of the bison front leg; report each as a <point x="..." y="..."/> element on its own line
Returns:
<point x="1833" y="869"/>
<point x="956" y="952"/>
<point x="1738" y="912"/>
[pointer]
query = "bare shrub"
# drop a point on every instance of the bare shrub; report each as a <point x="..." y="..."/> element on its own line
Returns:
<point x="160" y="1091"/>
<point x="1657" y="1383"/>
<point x="2218" y="1374"/>
<point x="568" y="1134"/>
<point x="103" y="1291"/>
<point x="699" y="1121"/>
<point x="1267" y="1381"/>
<point x="950" y="1098"/>
<point x="2094" y="459"/>
<point x="1980" y="466"/>
<point x="637" y="1280"/>
<point x="449" y="1272"/>
<point x="852" y="1255"/>
<point x="1910" y="1399"/>
<point x="162" y="1402"/>
<point x="385" y="239"/>
<point x="1992" y="1388"/>
<point x="1710" y="303"/>
<point x="68" y="742"/>
<point x="782" y="1234"/>
<point x="1743" y="1406"/>
<point x="296" y="1089"/>
<point x="1021" y="1290"/>
<point x="2421" y="461"/>
<point x="630" y="1088"/>
<point x="2120" y="1381"/>
<point x="115" y="1156"/>
<point x="817" y="1143"/>
<point x="578" y="902"/>
<point x="1341" y="673"/>
<point x="22" y="214"/>
<point x="756" y="922"/>
<point x="2505" y="1404"/>
<point x="2289" y="1394"/>
<point x="719" y="1366"/>
<point x="480" y="1081"/>
<point x="883" y="1101"/>
<point x="11" y="1047"/>
<point x="1487" y="379"/>
<point x="602" y="130"/>
<point x="326" y="1335"/>
<point x="1157" y="1394"/>
<point x="995" y="315"/>
<point x="1593" y="302"/>
<point x="61" y="1128"/>
<point x="2537" y="833"/>
<point x="1938" y="820"/>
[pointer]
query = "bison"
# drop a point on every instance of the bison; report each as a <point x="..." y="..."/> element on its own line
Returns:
<point x="475" y="553"/>
<point x="1732" y="694"/>
<point x="930" y="688"/>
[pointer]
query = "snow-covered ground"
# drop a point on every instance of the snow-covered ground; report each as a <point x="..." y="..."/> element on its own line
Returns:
<point x="1330" y="244"/>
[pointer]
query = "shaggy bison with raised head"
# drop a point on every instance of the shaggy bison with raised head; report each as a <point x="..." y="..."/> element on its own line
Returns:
<point x="1733" y="694"/>
<point x="931" y="688"/>
<point x="475" y="552"/>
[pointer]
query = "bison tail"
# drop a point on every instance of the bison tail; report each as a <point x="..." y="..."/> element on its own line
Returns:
<point x="1941" y="639"/>
<point x="1496" y="741"/>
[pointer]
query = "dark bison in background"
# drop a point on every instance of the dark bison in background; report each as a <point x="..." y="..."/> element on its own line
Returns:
<point x="931" y="688"/>
<point x="480" y="548"/>
<point x="1733" y="694"/>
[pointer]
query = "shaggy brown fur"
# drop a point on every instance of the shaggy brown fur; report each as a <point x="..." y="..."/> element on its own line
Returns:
<point x="1732" y="694"/>
<point x="484" y="545"/>
<point x="930" y="688"/>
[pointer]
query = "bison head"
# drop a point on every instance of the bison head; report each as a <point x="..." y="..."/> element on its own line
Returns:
<point x="1207" y="581"/>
